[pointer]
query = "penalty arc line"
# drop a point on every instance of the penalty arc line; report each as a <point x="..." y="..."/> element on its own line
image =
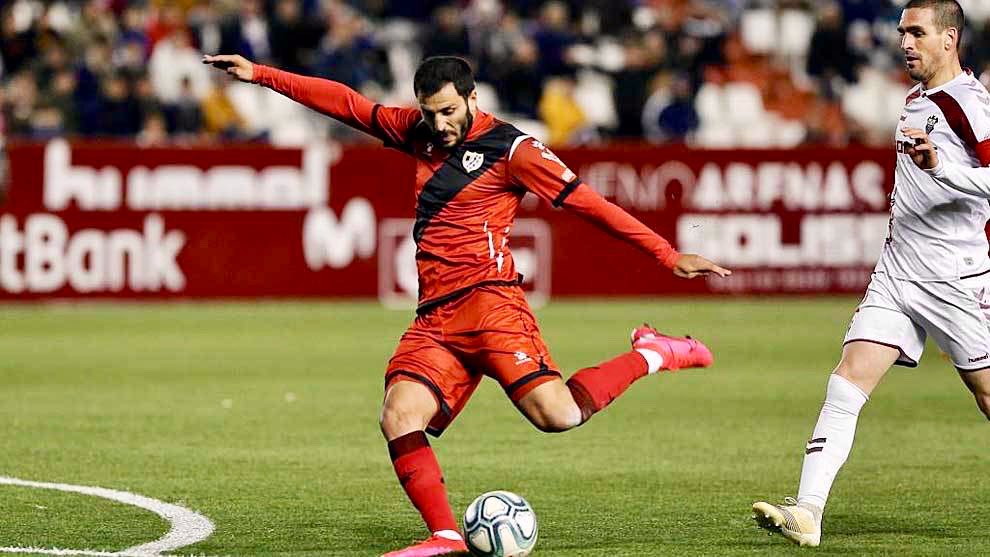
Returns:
<point x="186" y="527"/>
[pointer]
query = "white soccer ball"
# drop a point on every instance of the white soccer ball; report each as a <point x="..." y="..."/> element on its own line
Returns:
<point x="500" y="524"/>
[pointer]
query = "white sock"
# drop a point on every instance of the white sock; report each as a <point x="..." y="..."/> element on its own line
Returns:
<point x="831" y="441"/>
<point x="653" y="359"/>
<point x="448" y="534"/>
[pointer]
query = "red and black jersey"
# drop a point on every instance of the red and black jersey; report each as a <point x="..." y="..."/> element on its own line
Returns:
<point x="467" y="197"/>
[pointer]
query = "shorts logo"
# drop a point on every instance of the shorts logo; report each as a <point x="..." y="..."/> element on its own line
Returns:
<point x="980" y="358"/>
<point x="968" y="260"/>
<point x="522" y="358"/>
<point x="932" y="122"/>
<point x="472" y="161"/>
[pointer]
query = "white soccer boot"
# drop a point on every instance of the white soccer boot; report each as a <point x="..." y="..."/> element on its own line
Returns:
<point x="800" y="524"/>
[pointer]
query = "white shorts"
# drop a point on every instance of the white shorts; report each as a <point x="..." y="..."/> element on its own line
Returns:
<point x="902" y="313"/>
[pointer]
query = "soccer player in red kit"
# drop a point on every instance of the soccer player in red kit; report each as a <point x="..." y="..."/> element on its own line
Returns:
<point x="472" y="320"/>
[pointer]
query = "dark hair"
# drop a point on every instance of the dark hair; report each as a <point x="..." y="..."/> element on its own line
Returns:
<point x="437" y="71"/>
<point x="947" y="13"/>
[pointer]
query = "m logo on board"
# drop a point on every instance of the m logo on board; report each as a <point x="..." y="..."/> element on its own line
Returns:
<point x="472" y="161"/>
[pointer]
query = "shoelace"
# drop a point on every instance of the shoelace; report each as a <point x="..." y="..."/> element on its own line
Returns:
<point x="790" y="501"/>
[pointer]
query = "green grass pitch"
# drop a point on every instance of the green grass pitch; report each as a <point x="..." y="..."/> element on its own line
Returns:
<point x="263" y="417"/>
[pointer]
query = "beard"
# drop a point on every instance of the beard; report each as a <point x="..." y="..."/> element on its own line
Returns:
<point x="462" y="132"/>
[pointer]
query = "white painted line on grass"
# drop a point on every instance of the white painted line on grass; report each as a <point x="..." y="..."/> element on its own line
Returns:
<point x="186" y="527"/>
<point x="57" y="551"/>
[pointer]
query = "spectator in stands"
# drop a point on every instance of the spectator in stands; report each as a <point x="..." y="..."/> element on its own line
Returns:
<point x="518" y="78"/>
<point x="154" y="131"/>
<point x="22" y="96"/>
<point x="554" y="38"/>
<point x="447" y="35"/>
<point x="644" y="58"/>
<point x="119" y="114"/>
<point x="60" y="96"/>
<point x="17" y="46"/>
<point x="184" y="115"/>
<point x="173" y="60"/>
<point x="560" y="111"/>
<point x="348" y="53"/>
<point x="246" y="32"/>
<point x="293" y="37"/>
<point x="829" y="55"/>
<point x="679" y="118"/>
<point x="220" y="117"/>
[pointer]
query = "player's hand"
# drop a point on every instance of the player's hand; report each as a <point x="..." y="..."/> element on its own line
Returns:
<point x="234" y="64"/>
<point x="689" y="266"/>
<point x="924" y="153"/>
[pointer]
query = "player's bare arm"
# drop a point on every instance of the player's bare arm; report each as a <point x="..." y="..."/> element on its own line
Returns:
<point x="234" y="64"/>
<point x="690" y="266"/>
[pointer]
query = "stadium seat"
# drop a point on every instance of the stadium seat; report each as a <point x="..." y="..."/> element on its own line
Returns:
<point x="487" y="98"/>
<point x="744" y="104"/>
<point x="787" y="133"/>
<point x="796" y="29"/>
<point x="593" y="93"/>
<point x="710" y="103"/>
<point x="759" y="30"/>
<point x="715" y="136"/>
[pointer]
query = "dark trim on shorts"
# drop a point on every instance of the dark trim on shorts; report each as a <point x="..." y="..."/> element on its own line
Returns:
<point x="899" y="362"/>
<point x="974" y="276"/>
<point x="430" y="305"/>
<point x="426" y="381"/>
<point x="529" y="378"/>
<point x="974" y="370"/>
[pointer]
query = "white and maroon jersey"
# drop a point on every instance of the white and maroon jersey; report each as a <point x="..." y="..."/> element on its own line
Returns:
<point x="938" y="233"/>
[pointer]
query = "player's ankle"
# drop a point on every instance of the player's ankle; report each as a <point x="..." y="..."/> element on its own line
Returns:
<point x="815" y="509"/>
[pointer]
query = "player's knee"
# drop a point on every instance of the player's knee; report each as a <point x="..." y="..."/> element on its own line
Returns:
<point x="398" y="419"/>
<point x="983" y="401"/>
<point x="555" y="418"/>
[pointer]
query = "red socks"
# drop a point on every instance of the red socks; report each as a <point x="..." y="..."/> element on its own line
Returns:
<point x="420" y="475"/>
<point x="594" y="388"/>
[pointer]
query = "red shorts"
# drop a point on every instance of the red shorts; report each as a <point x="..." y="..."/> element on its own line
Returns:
<point x="488" y="331"/>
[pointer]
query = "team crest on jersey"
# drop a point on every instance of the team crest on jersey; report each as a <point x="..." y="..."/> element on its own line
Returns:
<point x="932" y="122"/>
<point x="472" y="161"/>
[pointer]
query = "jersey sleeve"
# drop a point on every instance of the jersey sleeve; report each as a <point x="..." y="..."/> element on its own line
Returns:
<point x="539" y="170"/>
<point x="982" y="131"/>
<point x="392" y="125"/>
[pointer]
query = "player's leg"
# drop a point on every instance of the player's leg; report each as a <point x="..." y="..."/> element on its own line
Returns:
<point x="425" y="388"/>
<point x="956" y="315"/>
<point x="556" y="406"/>
<point x="505" y="341"/>
<point x="594" y="388"/>
<point x="978" y="383"/>
<point x="860" y="370"/>
<point x="879" y="336"/>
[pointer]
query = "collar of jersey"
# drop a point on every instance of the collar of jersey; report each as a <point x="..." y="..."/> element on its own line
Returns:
<point x="962" y="75"/>
<point x="482" y="123"/>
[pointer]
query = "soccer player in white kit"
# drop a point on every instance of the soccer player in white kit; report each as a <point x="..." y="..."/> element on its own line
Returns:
<point x="933" y="277"/>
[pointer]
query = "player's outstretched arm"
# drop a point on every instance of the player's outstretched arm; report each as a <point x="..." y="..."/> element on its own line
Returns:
<point x="689" y="265"/>
<point x="331" y="98"/>
<point x="924" y="153"/>
<point x="537" y="169"/>
<point x="593" y="207"/>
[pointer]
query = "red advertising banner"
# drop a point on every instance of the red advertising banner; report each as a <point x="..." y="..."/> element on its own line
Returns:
<point x="114" y="220"/>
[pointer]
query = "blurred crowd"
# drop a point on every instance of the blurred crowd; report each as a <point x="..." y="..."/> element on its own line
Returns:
<point x="711" y="73"/>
